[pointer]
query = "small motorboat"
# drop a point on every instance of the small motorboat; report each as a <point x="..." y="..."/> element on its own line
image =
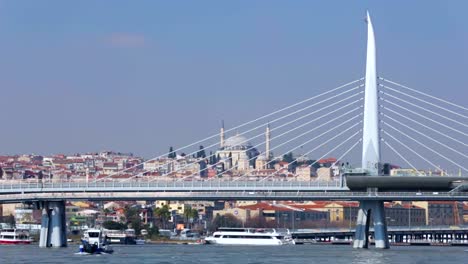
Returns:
<point x="90" y="249"/>
<point x="94" y="243"/>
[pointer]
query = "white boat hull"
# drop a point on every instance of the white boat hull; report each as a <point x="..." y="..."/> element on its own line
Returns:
<point x="249" y="242"/>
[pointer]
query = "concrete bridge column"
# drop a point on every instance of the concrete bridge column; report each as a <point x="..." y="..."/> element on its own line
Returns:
<point x="53" y="225"/>
<point x="43" y="240"/>
<point x="366" y="209"/>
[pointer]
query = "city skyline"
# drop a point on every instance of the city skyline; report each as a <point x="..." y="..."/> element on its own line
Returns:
<point x="98" y="82"/>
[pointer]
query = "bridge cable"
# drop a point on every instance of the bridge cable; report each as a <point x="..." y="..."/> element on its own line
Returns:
<point x="346" y="152"/>
<point x="419" y="92"/>
<point x="296" y="137"/>
<point x="427" y="118"/>
<point x="293" y="129"/>
<point x="403" y="158"/>
<point x="413" y="151"/>
<point x="310" y="140"/>
<point x="326" y="154"/>
<point x="335" y="148"/>
<point x="321" y="145"/>
<point x="250" y="122"/>
<point x="423" y="108"/>
<point x="261" y="117"/>
<point x="276" y="128"/>
<point x="426" y="136"/>
<point x="424" y="101"/>
<point x="453" y="162"/>
<point x="425" y="126"/>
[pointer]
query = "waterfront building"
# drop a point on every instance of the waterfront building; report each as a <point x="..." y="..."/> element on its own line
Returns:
<point x="110" y="167"/>
<point x="445" y="213"/>
<point x="324" y="174"/>
<point x="242" y="214"/>
<point x="163" y="165"/>
<point x="404" y="214"/>
<point x="303" y="173"/>
<point x="282" y="165"/>
<point x="261" y="163"/>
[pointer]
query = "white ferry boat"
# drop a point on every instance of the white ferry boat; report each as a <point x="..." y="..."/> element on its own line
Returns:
<point x="14" y="236"/>
<point x="249" y="236"/>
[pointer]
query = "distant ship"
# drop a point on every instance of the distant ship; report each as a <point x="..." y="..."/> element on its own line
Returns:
<point x="14" y="236"/>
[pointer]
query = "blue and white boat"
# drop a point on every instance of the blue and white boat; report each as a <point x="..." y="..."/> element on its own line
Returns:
<point x="94" y="243"/>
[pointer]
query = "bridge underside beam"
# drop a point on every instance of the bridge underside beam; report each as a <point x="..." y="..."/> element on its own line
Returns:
<point x="405" y="183"/>
<point x="53" y="224"/>
<point x="371" y="210"/>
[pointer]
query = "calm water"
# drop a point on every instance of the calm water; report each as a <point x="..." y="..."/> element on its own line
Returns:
<point x="303" y="254"/>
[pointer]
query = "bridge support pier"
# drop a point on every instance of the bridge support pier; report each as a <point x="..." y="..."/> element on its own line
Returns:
<point x="53" y="224"/>
<point x="368" y="210"/>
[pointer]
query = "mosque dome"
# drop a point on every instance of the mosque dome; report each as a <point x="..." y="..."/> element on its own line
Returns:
<point x="262" y="157"/>
<point x="237" y="142"/>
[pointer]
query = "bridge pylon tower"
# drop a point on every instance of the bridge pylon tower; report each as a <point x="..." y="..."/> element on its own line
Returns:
<point x="371" y="153"/>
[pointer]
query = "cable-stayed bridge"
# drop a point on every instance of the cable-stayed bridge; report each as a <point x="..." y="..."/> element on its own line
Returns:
<point x="382" y="120"/>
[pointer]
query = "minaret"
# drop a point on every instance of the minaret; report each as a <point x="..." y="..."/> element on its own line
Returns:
<point x="370" y="135"/>
<point x="221" y="135"/>
<point x="267" y="142"/>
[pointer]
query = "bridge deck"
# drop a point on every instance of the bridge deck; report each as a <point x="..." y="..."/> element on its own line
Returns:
<point x="207" y="190"/>
<point x="232" y="195"/>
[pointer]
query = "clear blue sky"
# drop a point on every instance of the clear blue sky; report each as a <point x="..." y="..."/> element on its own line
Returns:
<point x="138" y="76"/>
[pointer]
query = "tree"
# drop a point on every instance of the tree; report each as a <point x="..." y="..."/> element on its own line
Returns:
<point x="316" y="164"/>
<point x="190" y="213"/>
<point x="153" y="232"/>
<point x="258" y="221"/>
<point x="227" y="220"/>
<point x="163" y="214"/>
<point x="133" y="218"/>
<point x="112" y="225"/>
<point x="172" y="153"/>
<point x="201" y="152"/>
<point x="10" y="220"/>
<point x="288" y="157"/>
<point x="212" y="158"/>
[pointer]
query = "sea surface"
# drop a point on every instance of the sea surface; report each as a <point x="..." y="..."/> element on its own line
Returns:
<point x="303" y="254"/>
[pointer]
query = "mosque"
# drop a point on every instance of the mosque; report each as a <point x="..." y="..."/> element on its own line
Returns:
<point x="238" y="153"/>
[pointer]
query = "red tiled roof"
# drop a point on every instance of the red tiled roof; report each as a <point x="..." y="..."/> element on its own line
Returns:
<point x="327" y="160"/>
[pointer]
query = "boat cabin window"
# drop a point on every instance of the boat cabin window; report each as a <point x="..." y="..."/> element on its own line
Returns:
<point x="249" y="237"/>
<point x="8" y="237"/>
<point x="217" y="236"/>
<point x="233" y="229"/>
<point x="93" y="234"/>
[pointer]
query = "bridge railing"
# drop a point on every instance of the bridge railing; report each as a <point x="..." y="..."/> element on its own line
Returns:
<point x="15" y="185"/>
